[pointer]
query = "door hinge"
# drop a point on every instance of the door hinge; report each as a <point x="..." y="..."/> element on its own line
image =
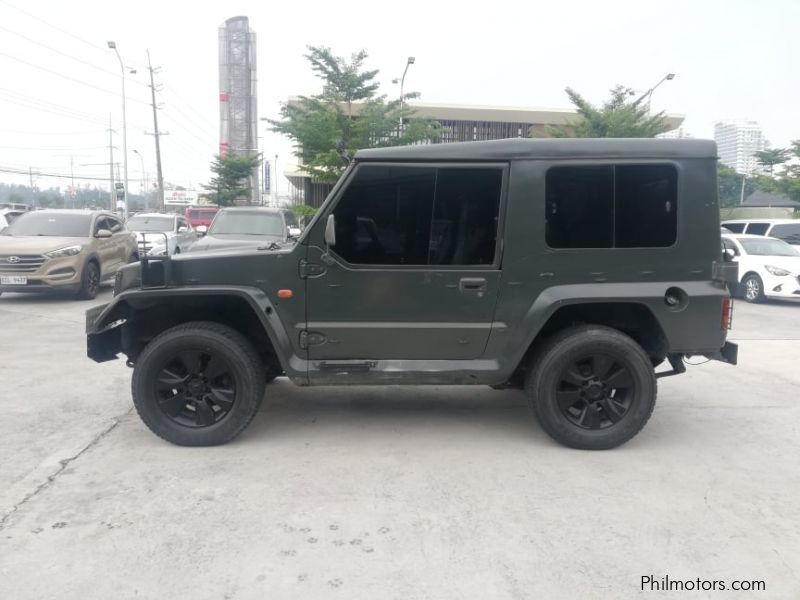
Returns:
<point x="309" y="269"/>
<point x="310" y="338"/>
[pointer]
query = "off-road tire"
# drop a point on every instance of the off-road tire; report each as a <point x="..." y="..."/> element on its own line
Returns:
<point x="246" y="368"/>
<point x="546" y="374"/>
<point x="90" y="281"/>
<point x="753" y="288"/>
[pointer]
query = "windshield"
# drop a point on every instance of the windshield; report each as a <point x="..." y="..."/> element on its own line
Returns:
<point x="150" y="223"/>
<point x="50" y="224"/>
<point x="788" y="232"/>
<point x="767" y="247"/>
<point x="247" y="223"/>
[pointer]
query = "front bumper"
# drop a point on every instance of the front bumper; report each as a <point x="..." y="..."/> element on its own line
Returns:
<point x="787" y="286"/>
<point x="54" y="274"/>
<point x="106" y="343"/>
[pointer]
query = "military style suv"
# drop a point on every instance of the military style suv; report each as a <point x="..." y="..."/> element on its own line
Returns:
<point x="569" y="268"/>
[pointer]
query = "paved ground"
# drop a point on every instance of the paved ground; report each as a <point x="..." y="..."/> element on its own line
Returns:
<point x="392" y="492"/>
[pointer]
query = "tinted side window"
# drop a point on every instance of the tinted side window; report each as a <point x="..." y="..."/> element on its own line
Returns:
<point x="580" y="207"/>
<point x="757" y="228"/>
<point x="101" y="223"/>
<point x="465" y="214"/>
<point x="735" y="227"/>
<point x="622" y="206"/>
<point x="419" y="216"/>
<point x="384" y="216"/>
<point x="645" y="214"/>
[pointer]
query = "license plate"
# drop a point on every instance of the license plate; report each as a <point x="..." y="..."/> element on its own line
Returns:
<point x="13" y="280"/>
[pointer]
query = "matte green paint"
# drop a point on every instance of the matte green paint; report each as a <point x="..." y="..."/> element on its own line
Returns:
<point x="387" y="324"/>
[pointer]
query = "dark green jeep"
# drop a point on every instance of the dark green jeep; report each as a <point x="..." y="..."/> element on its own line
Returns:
<point x="569" y="268"/>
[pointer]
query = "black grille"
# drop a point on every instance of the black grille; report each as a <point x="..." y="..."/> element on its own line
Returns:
<point x="20" y="263"/>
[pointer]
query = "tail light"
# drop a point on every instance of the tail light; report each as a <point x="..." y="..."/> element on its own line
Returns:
<point x="727" y="313"/>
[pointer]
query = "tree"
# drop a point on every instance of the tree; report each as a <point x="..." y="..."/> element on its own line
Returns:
<point x="618" y="117"/>
<point x="770" y="158"/>
<point x="229" y="183"/>
<point x="303" y="212"/>
<point x="347" y="111"/>
<point x="730" y="186"/>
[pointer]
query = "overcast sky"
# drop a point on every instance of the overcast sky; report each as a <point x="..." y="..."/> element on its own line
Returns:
<point x="60" y="82"/>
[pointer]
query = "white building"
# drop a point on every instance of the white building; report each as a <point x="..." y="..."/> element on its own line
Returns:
<point x="676" y="134"/>
<point x="737" y="143"/>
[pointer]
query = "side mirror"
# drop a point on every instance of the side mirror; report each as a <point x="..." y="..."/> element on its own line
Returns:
<point x="103" y="234"/>
<point x="201" y="230"/>
<point x="330" y="231"/>
<point x="728" y="254"/>
<point x="183" y="229"/>
<point x="294" y="232"/>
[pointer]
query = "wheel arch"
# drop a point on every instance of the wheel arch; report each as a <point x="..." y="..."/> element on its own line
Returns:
<point x="142" y="314"/>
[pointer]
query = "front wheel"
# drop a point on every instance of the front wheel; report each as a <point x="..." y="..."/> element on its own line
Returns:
<point x="592" y="387"/>
<point x="198" y="384"/>
<point x="753" y="288"/>
<point x="90" y="281"/>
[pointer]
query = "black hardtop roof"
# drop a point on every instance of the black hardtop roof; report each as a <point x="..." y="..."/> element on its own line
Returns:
<point x="551" y="148"/>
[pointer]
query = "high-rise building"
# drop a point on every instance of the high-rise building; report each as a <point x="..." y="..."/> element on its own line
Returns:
<point x="238" y="116"/>
<point x="737" y="143"/>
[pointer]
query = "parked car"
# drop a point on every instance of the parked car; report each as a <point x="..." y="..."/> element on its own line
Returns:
<point x="7" y="215"/>
<point x="63" y="250"/>
<point x="249" y="228"/>
<point x="787" y="230"/>
<point x="768" y="267"/>
<point x="201" y="216"/>
<point x="571" y="268"/>
<point x="158" y="233"/>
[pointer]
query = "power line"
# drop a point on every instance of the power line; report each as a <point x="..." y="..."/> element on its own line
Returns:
<point x="19" y="171"/>
<point x="50" y="107"/>
<point x="76" y="59"/>
<point x="51" y="71"/>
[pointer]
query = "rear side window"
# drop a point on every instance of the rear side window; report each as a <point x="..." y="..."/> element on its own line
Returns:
<point x="757" y="228"/>
<point x="611" y="206"/>
<point x="734" y="227"/>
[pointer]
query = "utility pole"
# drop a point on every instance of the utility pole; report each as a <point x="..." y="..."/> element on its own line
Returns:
<point x="156" y="135"/>
<point x="111" y="203"/>
<point x="33" y="196"/>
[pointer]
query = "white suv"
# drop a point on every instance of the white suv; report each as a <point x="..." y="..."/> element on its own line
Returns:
<point x="768" y="267"/>
<point x="787" y="230"/>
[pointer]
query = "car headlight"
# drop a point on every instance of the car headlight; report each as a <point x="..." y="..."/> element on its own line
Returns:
<point x="157" y="251"/>
<point x="62" y="252"/>
<point x="777" y="271"/>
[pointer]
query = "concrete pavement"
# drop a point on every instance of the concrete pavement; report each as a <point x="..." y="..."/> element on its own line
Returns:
<point x="392" y="492"/>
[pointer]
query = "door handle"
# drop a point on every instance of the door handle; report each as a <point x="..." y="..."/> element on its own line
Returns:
<point x="472" y="285"/>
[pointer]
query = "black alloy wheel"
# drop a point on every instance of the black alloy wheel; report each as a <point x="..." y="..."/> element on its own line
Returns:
<point x="594" y="392"/>
<point x="591" y="387"/>
<point x="196" y="388"/>
<point x="198" y="384"/>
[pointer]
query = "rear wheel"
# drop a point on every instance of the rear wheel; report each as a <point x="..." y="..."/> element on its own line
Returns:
<point x="198" y="384"/>
<point x="753" y="288"/>
<point x="90" y="282"/>
<point x="592" y="387"/>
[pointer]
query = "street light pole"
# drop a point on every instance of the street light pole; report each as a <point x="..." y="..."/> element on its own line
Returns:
<point x="113" y="46"/>
<point x="409" y="62"/>
<point x="649" y="93"/>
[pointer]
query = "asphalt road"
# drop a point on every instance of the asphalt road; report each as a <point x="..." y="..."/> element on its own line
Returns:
<point x="392" y="492"/>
